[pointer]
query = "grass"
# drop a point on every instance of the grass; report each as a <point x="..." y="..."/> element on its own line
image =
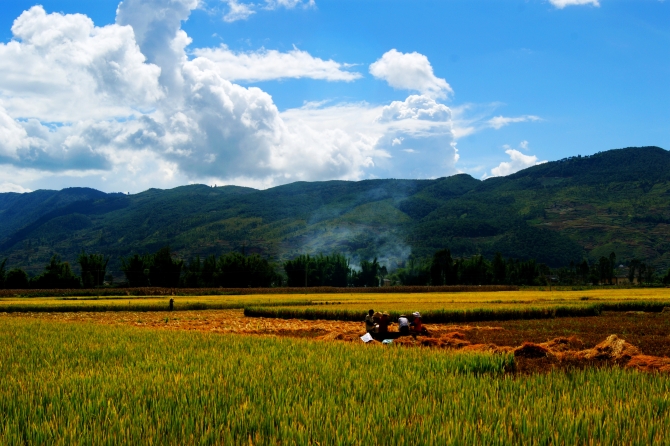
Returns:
<point x="87" y="384"/>
<point x="350" y="305"/>
<point x="134" y="303"/>
<point x="430" y="316"/>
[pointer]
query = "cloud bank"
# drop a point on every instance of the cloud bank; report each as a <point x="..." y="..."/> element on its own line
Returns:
<point x="125" y="107"/>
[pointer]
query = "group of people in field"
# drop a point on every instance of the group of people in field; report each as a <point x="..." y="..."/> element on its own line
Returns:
<point x="377" y="323"/>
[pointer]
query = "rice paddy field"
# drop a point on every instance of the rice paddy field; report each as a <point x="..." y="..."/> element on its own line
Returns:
<point x="122" y="370"/>
<point x="94" y="384"/>
<point x="343" y="301"/>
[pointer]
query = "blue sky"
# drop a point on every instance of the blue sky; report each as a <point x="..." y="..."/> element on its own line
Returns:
<point x="171" y="92"/>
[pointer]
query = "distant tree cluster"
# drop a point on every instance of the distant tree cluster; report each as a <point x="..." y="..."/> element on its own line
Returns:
<point x="443" y="269"/>
<point x="232" y="270"/>
<point x="57" y="274"/>
<point x="235" y="270"/>
<point x="604" y="271"/>
<point x="305" y="270"/>
<point x="332" y="270"/>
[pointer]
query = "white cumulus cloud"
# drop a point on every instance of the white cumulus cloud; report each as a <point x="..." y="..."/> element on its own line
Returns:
<point x="560" y="4"/>
<point x="418" y="108"/>
<point x="517" y="162"/>
<point x="409" y="71"/>
<point x="263" y="65"/>
<point x="289" y="4"/>
<point x="499" y="122"/>
<point x="148" y="116"/>
<point x="242" y="11"/>
<point x="11" y="187"/>
<point x="238" y="11"/>
<point x="62" y="67"/>
<point x="123" y="108"/>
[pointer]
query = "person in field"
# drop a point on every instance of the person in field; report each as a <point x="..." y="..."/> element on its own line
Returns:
<point x="370" y="322"/>
<point x="403" y="325"/>
<point x="384" y="322"/>
<point x="416" y="325"/>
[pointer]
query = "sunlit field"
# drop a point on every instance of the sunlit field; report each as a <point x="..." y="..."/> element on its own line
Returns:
<point x="353" y="301"/>
<point x="92" y="384"/>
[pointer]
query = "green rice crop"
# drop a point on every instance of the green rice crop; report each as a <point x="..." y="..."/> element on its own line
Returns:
<point x="86" y="384"/>
<point x="430" y="316"/>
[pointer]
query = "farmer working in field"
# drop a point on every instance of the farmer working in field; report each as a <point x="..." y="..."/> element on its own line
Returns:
<point x="384" y="322"/>
<point x="370" y="322"/>
<point x="403" y="325"/>
<point x="416" y="324"/>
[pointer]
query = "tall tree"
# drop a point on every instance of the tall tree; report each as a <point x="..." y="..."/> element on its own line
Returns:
<point x="641" y="273"/>
<point x="612" y="261"/>
<point x="193" y="273"/>
<point x="164" y="270"/>
<point x="633" y="265"/>
<point x="136" y="269"/>
<point x="442" y="268"/>
<point x="368" y="275"/>
<point x="297" y="271"/>
<point x="476" y="271"/>
<point x="57" y="274"/>
<point x="3" y="273"/>
<point x="383" y="272"/>
<point x="209" y="270"/>
<point x="499" y="269"/>
<point x="93" y="269"/>
<point x="584" y="271"/>
<point x="17" y="279"/>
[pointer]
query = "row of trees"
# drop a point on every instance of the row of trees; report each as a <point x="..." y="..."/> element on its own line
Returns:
<point x="58" y="274"/>
<point x="234" y="270"/>
<point x="604" y="271"/>
<point x="333" y="270"/>
<point x="443" y="269"/>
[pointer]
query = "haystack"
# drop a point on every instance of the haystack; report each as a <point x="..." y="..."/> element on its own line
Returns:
<point x="563" y="344"/>
<point x="531" y="350"/>
<point x="611" y="348"/>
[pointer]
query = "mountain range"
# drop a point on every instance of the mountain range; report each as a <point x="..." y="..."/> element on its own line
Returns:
<point x="561" y="211"/>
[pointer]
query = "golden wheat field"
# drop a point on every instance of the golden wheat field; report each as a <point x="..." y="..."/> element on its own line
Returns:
<point x="353" y="301"/>
<point x="125" y="370"/>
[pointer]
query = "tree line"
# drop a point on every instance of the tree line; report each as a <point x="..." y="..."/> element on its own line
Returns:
<point x="444" y="269"/>
<point x="235" y="270"/>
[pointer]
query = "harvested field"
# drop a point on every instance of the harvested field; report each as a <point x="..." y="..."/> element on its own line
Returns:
<point x="536" y="343"/>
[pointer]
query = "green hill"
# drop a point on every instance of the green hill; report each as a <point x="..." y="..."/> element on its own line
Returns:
<point x="580" y="207"/>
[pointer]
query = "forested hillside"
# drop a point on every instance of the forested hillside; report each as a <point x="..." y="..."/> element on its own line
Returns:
<point x="582" y="207"/>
